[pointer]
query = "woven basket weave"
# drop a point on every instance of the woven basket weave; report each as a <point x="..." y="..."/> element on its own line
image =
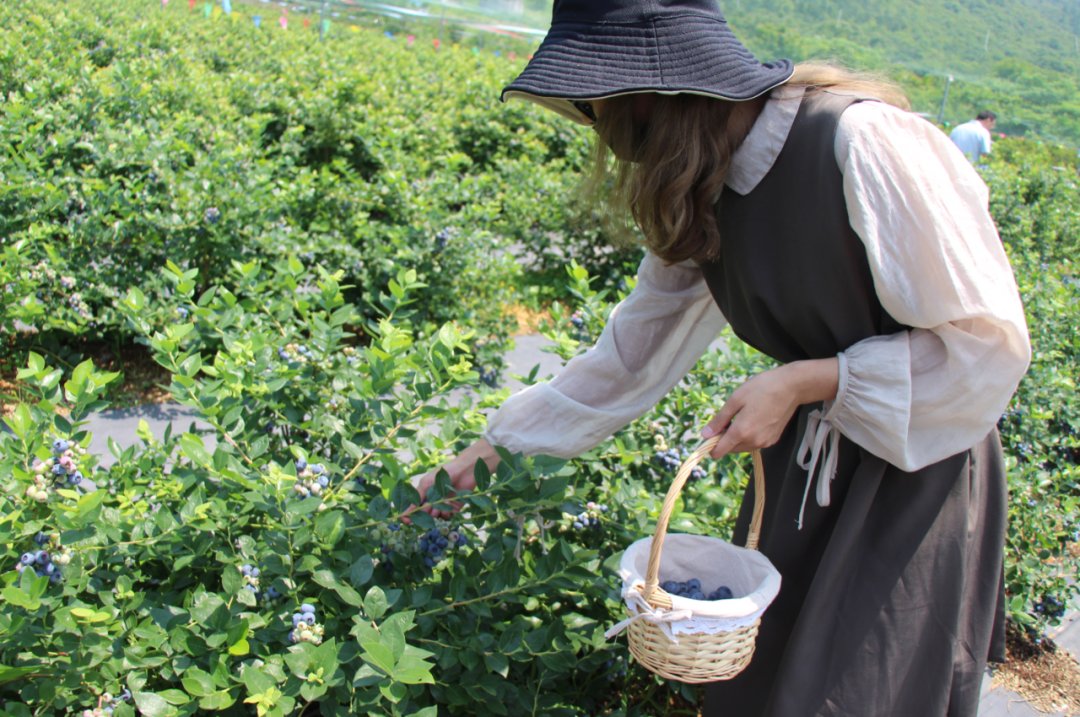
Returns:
<point x="695" y="657"/>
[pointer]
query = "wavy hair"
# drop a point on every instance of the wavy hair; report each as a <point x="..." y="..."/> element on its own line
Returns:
<point x="664" y="170"/>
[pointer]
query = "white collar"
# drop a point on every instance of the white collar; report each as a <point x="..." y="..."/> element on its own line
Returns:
<point x="756" y="155"/>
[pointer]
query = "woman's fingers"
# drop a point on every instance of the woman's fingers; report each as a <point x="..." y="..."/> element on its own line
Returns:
<point x="755" y="414"/>
<point x="461" y="470"/>
<point x="722" y="420"/>
<point x="723" y="424"/>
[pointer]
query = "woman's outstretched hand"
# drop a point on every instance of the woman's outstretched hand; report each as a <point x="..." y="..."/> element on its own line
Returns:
<point x="757" y="412"/>
<point x="460" y="469"/>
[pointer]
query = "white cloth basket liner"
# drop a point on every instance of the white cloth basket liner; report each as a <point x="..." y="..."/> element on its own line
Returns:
<point x="753" y="580"/>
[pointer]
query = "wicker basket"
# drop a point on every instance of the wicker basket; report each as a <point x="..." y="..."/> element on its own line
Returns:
<point x="680" y="638"/>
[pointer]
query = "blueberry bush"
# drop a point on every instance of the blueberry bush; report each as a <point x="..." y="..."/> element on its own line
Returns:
<point x="315" y="243"/>
<point x="271" y="559"/>
<point x="1034" y="201"/>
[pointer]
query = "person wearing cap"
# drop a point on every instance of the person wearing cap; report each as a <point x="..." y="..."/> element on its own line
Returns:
<point x="973" y="137"/>
<point x="829" y="227"/>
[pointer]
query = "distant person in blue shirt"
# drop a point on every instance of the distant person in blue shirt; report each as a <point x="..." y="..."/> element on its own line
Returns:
<point x="973" y="137"/>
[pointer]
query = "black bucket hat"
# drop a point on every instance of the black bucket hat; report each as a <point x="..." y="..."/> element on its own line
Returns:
<point x="603" y="48"/>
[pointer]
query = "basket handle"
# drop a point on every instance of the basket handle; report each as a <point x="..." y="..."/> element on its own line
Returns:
<point x="652" y="592"/>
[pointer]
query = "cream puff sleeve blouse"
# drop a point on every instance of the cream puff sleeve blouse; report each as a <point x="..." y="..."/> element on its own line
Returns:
<point x="911" y="398"/>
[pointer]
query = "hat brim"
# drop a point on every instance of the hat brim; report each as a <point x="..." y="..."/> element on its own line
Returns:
<point x="672" y="55"/>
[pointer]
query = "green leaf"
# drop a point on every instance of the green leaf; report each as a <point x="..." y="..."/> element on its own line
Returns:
<point x="412" y="670"/>
<point x="378" y="655"/>
<point x="497" y="662"/>
<point x="20" y="421"/>
<point x="240" y="647"/>
<point x="79" y="376"/>
<point x="10" y="674"/>
<point x="198" y="683"/>
<point x="135" y="299"/>
<point x="87" y="504"/>
<point x="345" y="592"/>
<point x="361" y="570"/>
<point x="330" y="526"/>
<point x="205" y="606"/>
<point x="192" y="447"/>
<point x="325" y="658"/>
<point x="393" y="692"/>
<point x="554" y="487"/>
<point x="83" y="614"/>
<point x="153" y="705"/>
<point x="217" y="701"/>
<point x="375" y="603"/>
<point x="256" y="680"/>
<point x="174" y="697"/>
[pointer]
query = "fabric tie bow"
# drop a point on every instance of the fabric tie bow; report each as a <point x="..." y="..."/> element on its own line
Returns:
<point x="818" y="454"/>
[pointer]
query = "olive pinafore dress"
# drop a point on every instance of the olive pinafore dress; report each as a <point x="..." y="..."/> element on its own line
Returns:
<point x="891" y="601"/>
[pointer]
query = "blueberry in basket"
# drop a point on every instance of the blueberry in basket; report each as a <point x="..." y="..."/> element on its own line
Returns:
<point x="692" y="589"/>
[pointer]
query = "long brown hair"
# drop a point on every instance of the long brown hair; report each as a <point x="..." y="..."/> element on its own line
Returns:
<point x="666" y="175"/>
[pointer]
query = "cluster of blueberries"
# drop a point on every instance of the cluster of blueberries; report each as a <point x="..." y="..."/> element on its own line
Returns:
<point x="63" y="468"/>
<point x="79" y="305"/>
<point x="442" y="238"/>
<point x="311" y="479"/>
<point x="44" y="275"/>
<point x="578" y="322"/>
<point x="295" y="353"/>
<point x="305" y="628"/>
<point x="42" y="561"/>
<point x="692" y="589"/>
<point x="1050" y="606"/>
<point x="670" y="459"/>
<point x="391" y="539"/>
<point x="431" y="545"/>
<point x="489" y="376"/>
<point x="588" y="518"/>
<point x="107" y="704"/>
<point x="434" y="543"/>
<point x="251" y="583"/>
<point x="212" y="215"/>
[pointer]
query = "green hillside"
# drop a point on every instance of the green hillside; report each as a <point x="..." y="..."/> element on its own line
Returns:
<point x="1018" y="57"/>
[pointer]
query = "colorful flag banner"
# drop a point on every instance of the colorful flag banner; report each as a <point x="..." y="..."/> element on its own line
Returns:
<point x="410" y="40"/>
<point x="208" y="9"/>
<point x="325" y="26"/>
<point x="435" y="43"/>
<point x="258" y="20"/>
<point x="283" y="21"/>
<point x="307" y="23"/>
<point x="191" y="4"/>
<point x="389" y="34"/>
<point x="164" y="3"/>
<point x="226" y="6"/>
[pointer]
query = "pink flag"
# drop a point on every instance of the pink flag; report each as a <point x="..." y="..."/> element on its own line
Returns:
<point x="191" y="4"/>
<point x="283" y="21"/>
<point x="436" y="43"/>
<point x="410" y="40"/>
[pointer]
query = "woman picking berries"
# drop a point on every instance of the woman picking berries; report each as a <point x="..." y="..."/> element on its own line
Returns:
<point x="848" y="239"/>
